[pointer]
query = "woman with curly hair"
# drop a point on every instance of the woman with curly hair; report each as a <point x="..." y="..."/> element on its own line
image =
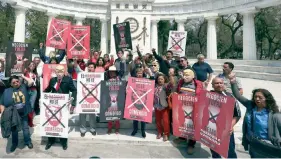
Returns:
<point x="262" y="123"/>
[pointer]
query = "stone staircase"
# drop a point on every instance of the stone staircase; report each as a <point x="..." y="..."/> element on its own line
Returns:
<point x="255" y="69"/>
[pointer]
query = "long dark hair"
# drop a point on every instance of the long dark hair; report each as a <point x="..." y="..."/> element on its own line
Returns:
<point x="161" y="75"/>
<point x="35" y="68"/>
<point x="97" y="63"/>
<point x="269" y="99"/>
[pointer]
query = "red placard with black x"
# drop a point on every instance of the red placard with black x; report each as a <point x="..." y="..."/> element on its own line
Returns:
<point x="90" y="92"/>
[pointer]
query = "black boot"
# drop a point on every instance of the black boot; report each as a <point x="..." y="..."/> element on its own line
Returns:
<point x="134" y="133"/>
<point x="13" y="148"/>
<point x="48" y="146"/>
<point x="143" y="134"/>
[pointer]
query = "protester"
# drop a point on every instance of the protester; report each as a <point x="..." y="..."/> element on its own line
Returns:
<point x="262" y="122"/>
<point x="163" y="64"/>
<point x="82" y="116"/>
<point x="17" y="97"/>
<point x="71" y="69"/>
<point x="121" y="64"/>
<point x="139" y="72"/>
<point x="169" y="56"/>
<point x="39" y="65"/>
<point x="53" y="60"/>
<point x="94" y="56"/>
<point x="202" y="69"/>
<point x="188" y="85"/>
<point x="172" y="88"/>
<point x="31" y="73"/>
<point x="161" y="108"/>
<point x="227" y="70"/>
<point x="52" y="54"/>
<point x="112" y="75"/>
<point x="108" y="62"/>
<point x="61" y="84"/>
<point x="100" y="65"/>
<point x="134" y="65"/>
<point x="219" y="88"/>
<point x="183" y="66"/>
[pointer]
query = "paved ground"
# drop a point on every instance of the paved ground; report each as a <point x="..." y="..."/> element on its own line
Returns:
<point x="109" y="150"/>
<point x="125" y="146"/>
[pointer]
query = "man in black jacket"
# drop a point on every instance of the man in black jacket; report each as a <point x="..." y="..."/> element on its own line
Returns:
<point x="164" y="64"/>
<point x="64" y="85"/>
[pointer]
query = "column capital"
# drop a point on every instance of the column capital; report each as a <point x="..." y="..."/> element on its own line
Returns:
<point x="154" y="21"/>
<point x="79" y="18"/>
<point x="180" y="20"/>
<point x="249" y="11"/>
<point x="51" y="14"/>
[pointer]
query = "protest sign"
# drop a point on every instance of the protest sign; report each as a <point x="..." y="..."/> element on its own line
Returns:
<point x="122" y="36"/>
<point x="54" y="115"/>
<point x="88" y="92"/>
<point x="139" y="99"/>
<point x="177" y="42"/>
<point x="112" y="100"/>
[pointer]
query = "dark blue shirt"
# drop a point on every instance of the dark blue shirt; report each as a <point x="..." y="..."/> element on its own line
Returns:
<point x="202" y="70"/>
<point x="260" y="125"/>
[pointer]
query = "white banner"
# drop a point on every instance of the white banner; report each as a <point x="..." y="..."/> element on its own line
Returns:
<point x="54" y="115"/>
<point x="88" y="92"/>
<point x="177" y="42"/>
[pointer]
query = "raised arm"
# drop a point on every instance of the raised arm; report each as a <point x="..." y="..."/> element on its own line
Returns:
<point x="41" y="52"/>
<point x="62" y="53"/>
<point x="157" y="57"/>
<point x="111" y="62"/>
<point x="246" y="102"/>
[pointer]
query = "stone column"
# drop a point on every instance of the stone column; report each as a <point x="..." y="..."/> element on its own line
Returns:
<point x="211" y="38"/>
<point x="181" y="24"/>
<point x="19" y="35"/>
<point x="79" y="20"/>
<point x="103" y="43"/>
<point x="249" y="36"/>
<point x="154" y="34"/>
<point x="50" y="17"/>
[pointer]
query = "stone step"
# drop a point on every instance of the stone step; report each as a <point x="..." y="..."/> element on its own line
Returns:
<point x="254" y="75"/>
<point x="268" y="63"/>
<point x="249" y="68"/>
<point x="124" y="124"/>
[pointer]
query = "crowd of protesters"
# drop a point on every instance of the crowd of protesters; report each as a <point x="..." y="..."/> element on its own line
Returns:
<point x="172" y="74"/>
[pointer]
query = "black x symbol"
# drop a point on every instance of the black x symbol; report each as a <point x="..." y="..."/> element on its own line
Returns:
<point x="213" y="117"/>
<point x="54" y="114"/>
<point x="89" y="92"/>
<point x="177" y="43"/>
<point x="187" y="114"/>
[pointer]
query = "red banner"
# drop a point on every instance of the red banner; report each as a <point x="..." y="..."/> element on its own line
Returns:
<point x="50" y="72"/>
<point x="214" y="114"/>
<point x="79" y="42"/>
<point x="183" y="115"/>
<point x="58" y="33"/>
<point x="139" y="99"/>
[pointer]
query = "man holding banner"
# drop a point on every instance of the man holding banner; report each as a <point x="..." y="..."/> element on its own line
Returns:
<point x="61" y="84"/>
<point x="215" y="110"/>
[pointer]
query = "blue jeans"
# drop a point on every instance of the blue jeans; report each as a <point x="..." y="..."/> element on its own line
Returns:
<point x="231" y="149"/>
<point x="32" y="98"/>
<point x="136" y="125"/>
<point x="25" y="130"/>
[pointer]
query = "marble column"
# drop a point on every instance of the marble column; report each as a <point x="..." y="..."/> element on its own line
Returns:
<point x="211" y="38"/>
<point x="181" y="24"/>
<point x="19" y="35"/>
<point x="50" y="17"/>
<point x="79" y="21"/>
<point x="249" y="36"/>
<point x="103" y="43"/>
<point x="154" y="34"/>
